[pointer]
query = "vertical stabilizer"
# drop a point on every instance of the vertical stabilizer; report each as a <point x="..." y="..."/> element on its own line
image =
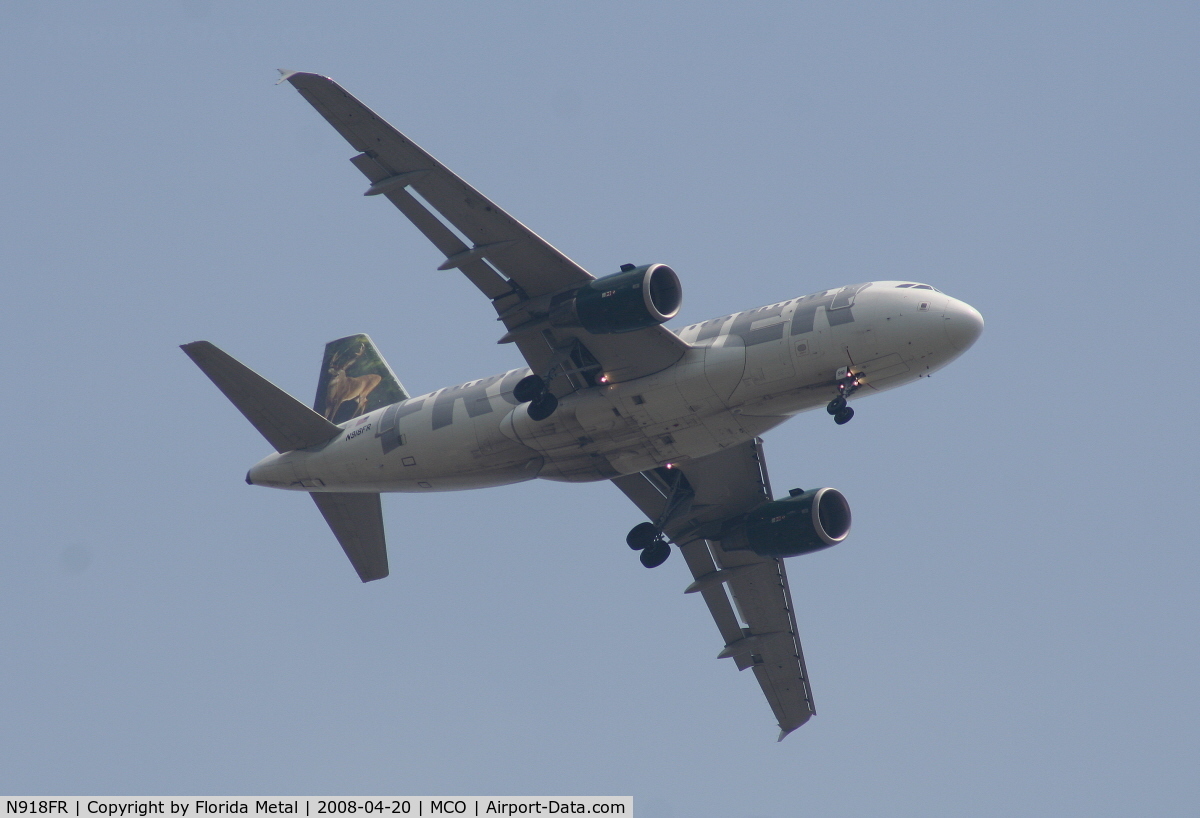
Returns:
<point x="355" y="379"/>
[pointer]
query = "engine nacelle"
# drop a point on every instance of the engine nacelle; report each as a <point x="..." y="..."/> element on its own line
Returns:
<point x="805" y="522"/>
<point x="630" y="300"/>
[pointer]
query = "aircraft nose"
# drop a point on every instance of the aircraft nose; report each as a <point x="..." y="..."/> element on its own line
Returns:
<point x="963" y="324"/>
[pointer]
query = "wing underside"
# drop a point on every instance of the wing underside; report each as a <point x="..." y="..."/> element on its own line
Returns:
<point x="747" y="595"/>
<point x="519" y="271"/>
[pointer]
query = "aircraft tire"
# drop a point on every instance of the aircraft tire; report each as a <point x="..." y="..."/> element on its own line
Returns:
<point x="528" y="388"/>
<point x="543" y="407"/>
<point x="836" y="405"/>
<point x="656" y="554"/>
<point x="642" y="535"/>
<point x="843" y="417"/>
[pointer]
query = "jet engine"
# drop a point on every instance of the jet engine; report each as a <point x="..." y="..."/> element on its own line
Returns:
<point x="806" y="521"/>
<point x="633" y="299"/>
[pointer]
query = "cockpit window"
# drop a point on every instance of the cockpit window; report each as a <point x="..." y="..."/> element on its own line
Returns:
<point x="902" y="286"/>
<point x="917" y="287"/>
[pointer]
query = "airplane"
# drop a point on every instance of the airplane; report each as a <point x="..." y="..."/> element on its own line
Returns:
<point x="673" y="418"/>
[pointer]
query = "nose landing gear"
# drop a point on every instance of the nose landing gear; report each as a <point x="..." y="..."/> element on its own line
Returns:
<point x="847" y="384"/>
<point x="840" y="411"/>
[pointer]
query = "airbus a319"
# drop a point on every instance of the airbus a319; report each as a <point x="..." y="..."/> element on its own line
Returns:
<point x="672" y="417"/>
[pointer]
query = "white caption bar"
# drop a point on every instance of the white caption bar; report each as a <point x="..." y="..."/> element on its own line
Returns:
<point x="376" y="807"/>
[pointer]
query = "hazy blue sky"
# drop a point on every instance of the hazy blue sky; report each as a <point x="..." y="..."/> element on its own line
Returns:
<point x="1011" y="628"/>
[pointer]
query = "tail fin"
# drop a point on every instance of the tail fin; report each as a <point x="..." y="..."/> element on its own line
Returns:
<point x="287" y="424"/>
<point x="355" y="379"/>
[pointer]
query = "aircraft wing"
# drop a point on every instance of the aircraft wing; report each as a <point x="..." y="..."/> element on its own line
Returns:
<point x="513" y="266"/>
<point x="762" y="633"/>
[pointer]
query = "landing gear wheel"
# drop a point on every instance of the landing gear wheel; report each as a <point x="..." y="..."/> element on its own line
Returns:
<point x="528" y="388"/>
<point x="843" y="416"/>
<point x="656" y="554"/>
<point x="642" y="535"/>
<point x="543" y="406"/>
<point x="836" y="405"/>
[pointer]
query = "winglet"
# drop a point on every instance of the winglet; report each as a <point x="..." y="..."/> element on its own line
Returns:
<point x="284" y="74"/>
<point x="784" y="733"/>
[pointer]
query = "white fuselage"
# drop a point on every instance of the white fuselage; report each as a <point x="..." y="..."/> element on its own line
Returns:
<point x="744" y="374"/>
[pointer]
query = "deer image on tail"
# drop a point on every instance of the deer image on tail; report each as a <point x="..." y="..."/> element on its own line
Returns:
<point x="343" y="387"/>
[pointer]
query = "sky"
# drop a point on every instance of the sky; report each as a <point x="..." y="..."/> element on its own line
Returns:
<point x="1011" y="628"/>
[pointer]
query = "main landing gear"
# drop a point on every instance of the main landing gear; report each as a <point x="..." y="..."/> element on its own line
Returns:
<point x="847" y="385"/>
<point x="647" y="538"/>
<point x="566" y="361"/>
<point x="536" y="391"/>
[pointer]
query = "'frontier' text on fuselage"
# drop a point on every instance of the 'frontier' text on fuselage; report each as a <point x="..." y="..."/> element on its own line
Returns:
<point x="745" y="373"/>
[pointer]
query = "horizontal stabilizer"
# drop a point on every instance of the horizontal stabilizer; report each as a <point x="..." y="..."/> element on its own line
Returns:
<point x="357" y="522"/>
<point x="285" y="422"/>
